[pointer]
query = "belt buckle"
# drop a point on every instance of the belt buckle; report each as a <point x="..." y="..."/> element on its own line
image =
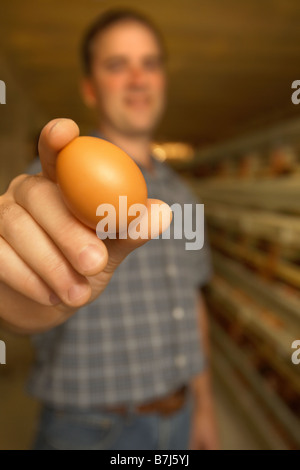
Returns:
<point x="166" y="406"/>
<point x="163" y="406"/>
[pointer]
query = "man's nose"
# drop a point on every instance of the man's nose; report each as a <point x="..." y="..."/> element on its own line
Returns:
<point x="137" y="75"/>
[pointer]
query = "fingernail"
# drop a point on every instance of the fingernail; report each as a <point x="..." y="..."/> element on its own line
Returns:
<point x="91" y="258"/>
<point x="54" y="125"/>
<point x="54" y="299"/>
<point x="77" y="291"/>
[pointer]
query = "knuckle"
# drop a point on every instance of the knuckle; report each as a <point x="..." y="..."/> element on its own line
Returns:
<point x="72" y="237"/>
<point x="32" y="187"/>
<point x="33" y="285"/>
<point x="7" y="211"/>
<point x="15" y="182"/>
<point x="30" y="279"/>
<point x="58" y="271"/>
<point x="12" y="218"/>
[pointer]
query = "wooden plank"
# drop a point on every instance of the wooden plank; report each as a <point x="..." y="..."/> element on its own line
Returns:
<point x="250" y="322"/>
<point x="287" y="131"/>
<point x="281" y="194"/>
<point x="270" y="295"/>
<point x="253" y="318"/>
<point x="274" y="227"/>
<point x="242" y="398"/>
<point x="271" y="402"/>
<point x="206" y="49"/>
<point x="284" y="270"/>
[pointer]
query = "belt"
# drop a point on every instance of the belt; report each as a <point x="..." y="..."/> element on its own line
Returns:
<point x="164" y="406"/>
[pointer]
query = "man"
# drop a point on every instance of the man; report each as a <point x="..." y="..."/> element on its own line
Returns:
<point x="120" y="361"/>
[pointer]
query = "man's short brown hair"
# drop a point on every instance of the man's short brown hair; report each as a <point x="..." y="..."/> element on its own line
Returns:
<point x="110" y="18"/>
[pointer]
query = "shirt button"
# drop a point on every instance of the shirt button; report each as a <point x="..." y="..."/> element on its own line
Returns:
<point x="180" y="361"/>
<point x="171" y="270"/>
<point x="178" y="313"/>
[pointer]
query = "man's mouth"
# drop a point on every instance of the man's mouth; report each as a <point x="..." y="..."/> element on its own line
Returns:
<point x="137" y="102"/>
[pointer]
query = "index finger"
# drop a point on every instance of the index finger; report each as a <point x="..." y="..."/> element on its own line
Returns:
<point x="53" y="138"/>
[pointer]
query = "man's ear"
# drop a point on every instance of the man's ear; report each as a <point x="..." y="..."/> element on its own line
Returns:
<point x="88" y="91"/>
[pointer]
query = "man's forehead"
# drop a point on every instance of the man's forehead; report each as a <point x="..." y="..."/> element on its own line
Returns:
<point x="126" y="38"/>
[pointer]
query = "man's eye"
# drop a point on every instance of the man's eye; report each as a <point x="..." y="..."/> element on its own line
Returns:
<point x="114" y="67"/>
<point x="153" y="65"/>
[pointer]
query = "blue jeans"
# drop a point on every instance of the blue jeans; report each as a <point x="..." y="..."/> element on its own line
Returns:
<point x="87" y="430"/>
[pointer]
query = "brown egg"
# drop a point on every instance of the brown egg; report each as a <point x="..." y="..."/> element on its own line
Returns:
<point x="91" y="171"/>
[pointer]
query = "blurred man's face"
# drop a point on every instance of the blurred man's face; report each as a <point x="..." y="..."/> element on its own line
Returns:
<point x="127" y="83"/>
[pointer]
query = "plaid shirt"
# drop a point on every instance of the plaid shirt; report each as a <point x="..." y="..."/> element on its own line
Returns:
<point x="139" y="340"/>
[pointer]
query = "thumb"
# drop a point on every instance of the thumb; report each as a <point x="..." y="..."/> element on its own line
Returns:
<point x="54" y="136"/>
<point x="155" y="220"/>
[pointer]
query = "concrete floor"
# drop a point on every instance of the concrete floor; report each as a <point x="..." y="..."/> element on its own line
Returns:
<point x="19" y="412"/>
